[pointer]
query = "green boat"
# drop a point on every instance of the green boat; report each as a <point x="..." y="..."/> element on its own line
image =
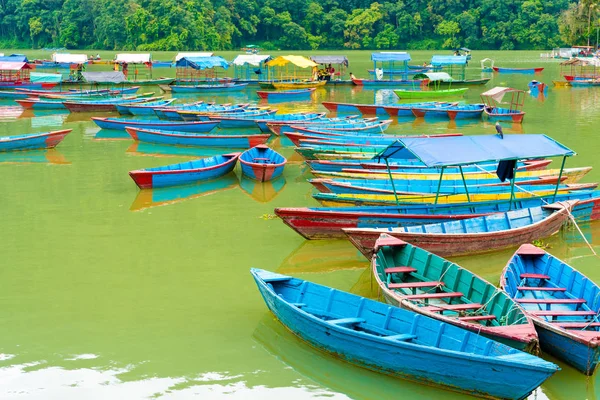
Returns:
<point x="430" y="94"/>
<point x="145" y="82"/>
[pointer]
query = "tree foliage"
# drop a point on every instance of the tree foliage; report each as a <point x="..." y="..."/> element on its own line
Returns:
<point x="297" y="24"/>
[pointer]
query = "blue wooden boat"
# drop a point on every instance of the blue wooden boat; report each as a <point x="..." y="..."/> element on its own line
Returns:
<point x="469" y="111"/>
<point x="262" y="163"/>
<point x="398" y="342"/>
<point x="13" y="95"/>
<point x="562" y="302"/>
<point x="180" y="126"/>
<point x="378" y="127"/>
<point x="517" y="70"/>
<point x="430" y="285"/>
<point x="290" y="119"/>
<point x="584" y="82"/>
<point x="146" y="108"/>
<point x="351" y="122"/>
<point x="386" y="83"/>
<point x="172" y="112"/>
<point x="239" y="119"/>
<point x="286" y="95"/>
<point x="46" y="140"/>
<point x="41" y="104"/>
<point x="186" y="172"/>
<point x="100" y="105"/>
<point x="210" y="88"/>
<point x="191" y="139"/>
<point x="504" y="114"/>
<point x="327" y="222"/>
<point x="473" y="235"/>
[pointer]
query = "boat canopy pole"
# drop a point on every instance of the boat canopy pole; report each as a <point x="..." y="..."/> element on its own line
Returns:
<point x="464" y="183"/>
<point x="562" y="167"/>
<point x="437" y="193"/>
<point x="392" y="180"/>
<point x="512" y="187"/>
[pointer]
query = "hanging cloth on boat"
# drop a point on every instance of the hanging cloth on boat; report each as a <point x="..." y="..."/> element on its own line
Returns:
<point x="506" y="169"/>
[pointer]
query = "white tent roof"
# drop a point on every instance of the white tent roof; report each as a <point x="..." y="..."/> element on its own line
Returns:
<point x="133" y="58"/>
<point x="69" y="58"/>
<point x="193" y="54"/>
<point x="252" y="59"/>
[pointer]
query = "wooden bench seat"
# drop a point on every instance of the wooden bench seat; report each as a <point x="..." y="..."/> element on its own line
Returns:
<point x="299" y="305"/>
<point x="415" y="285"/>
<point x="443" y="295"/>
<point x="453" y="307"/>
<point x="542" y="289"/>
<point x="477" y="318"/>
<point x="347" y="321"/>
<point x="563" y="313"/>
<point x="578" y="325"/>
<point x="394" y="270"/>
<point x="534" y="276"/>
<point x="551" y="301"/>
<point x="402" y="337"/>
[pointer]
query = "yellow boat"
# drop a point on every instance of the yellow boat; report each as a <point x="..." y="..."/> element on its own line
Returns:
<point x="298" y="84"/>
<point x="359" y="199"/>
<point x="561" y="83"/>
<point x="570" y="175"/>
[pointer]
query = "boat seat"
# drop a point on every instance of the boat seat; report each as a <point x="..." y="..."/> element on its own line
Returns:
<point x="551" y="301"/>
<point x="399" y="270"/>
<point x="477" y="318"/>
<point x="563" y="313"/>
<point x="542" y="289"/>
<point x="299" y="305"/>
<point x="401" y="338"/>
<point x="534" y="276"/>
<point x="442" y="295"/>
<point x="347" y="321"/>
<point x="415" y="285"/>
<point x="578" y="325"/>
<point x="453" y="307"/>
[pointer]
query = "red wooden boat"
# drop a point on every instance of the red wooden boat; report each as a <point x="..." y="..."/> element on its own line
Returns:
<point x="472" y="236"/>
<point x="529" y="165"/>
<point x="518" y="70"/>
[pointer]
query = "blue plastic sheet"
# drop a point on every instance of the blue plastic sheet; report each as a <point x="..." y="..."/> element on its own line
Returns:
<point x="463" y="150"/>
<point x="202" y="62"/>
<point x="399" y="56"/>
<point x="448" y="60"/>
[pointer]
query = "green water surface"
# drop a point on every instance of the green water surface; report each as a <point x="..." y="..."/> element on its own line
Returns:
<point x="110" y="292"/>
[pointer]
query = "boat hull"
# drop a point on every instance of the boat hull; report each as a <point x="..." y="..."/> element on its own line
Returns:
<point x="182" y="139"/>
<point x="430" y="94"/>
<point x="195" y="126"/>
<point x="517" y="70"/>
<point x="33" y="142"/>
<point x="262" y="163"/>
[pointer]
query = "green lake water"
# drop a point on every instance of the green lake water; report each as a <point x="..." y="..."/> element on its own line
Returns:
<point x="110" y="292"/>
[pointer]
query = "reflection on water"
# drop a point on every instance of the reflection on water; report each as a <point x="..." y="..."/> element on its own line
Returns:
<point x="263" y="192"/>
<point x="158" y="150"/>
<point x="50" y="156"/>
<point x="147" y="198"/>
<point x="335" y="374"/>
<point x="313" y="256"/>
<point x="111" y="134"/>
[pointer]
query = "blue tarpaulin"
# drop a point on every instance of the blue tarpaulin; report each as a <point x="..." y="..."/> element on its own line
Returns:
<point x="448" y="60"/>
<point x="464" y="150"/>
<point x="391" y="56"/>
<point x="202" y="62"/>
<point x="14" y="58"/>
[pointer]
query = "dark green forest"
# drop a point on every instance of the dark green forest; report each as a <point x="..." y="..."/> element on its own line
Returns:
<point x="151" y="25"/>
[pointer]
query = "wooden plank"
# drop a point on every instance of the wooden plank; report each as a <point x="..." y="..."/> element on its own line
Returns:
<point x="541" y="289"/>
<point x="563" y="313"/>
<point x="454" y="307"/>
<point x="347" y="321"/>
<point x="577" y="325"/>
<point x="413" y="285"/>
<point x="402" y="337"/>
<point x="534" y="276"/>
<point x="551" y="301"/>
<point x="394" y="270"/>
<point x="477" y="318"/>
<point x="434" y="295"/>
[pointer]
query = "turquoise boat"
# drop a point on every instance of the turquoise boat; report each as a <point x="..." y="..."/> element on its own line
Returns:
<point x="262" y="163"/>
<point x="399" y="342"/>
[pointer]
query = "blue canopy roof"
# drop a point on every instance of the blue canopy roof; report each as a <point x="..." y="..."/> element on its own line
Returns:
<point x="202" y="62"/>
<point x="448" y="60"/>
<point x="14" y="58"/>
<point x="463" y="150"/>
<point x="390" y="56"/>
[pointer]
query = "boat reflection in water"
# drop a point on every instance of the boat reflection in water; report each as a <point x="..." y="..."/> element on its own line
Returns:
<point x="263" y="192"/>
<point x="110" y="134"/>
<point x="159" y="150"/>
<point x="334" y="374"/>
<point x="315" y="256"/>
<point x="48" y="156"/>
<point x="147" y="198"/>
